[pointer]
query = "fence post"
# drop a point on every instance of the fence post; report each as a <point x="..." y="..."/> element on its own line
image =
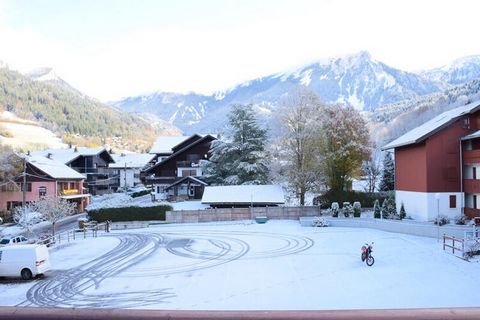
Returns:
<point x="444" y="242"/>
<point x="74" y="234"/>
<point x="84" y="233"/>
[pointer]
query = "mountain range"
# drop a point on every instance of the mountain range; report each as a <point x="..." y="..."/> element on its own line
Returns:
<point x="357" y="80"/>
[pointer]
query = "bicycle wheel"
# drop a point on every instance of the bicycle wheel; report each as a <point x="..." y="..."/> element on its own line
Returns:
<point x="370" y="261"/>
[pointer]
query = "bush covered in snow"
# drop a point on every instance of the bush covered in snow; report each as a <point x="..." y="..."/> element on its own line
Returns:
<point x="320" y="222"/>
<point x="335" y="208"/>
<point x="376" y="210"/>
<point x="441" y="220"/>
<point x="357" y="209"/>
<point x="460" y="220"/>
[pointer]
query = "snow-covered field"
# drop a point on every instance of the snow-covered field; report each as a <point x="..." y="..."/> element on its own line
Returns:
<point x="241" y="266"/>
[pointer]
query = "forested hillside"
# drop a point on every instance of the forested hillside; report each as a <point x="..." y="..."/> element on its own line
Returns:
<point x="77" y="118"/>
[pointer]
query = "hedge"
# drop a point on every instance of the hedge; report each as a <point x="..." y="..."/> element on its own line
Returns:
<point x="140" y="193"/>
<point x="366" y="199"/>
<point x="130" y="213"/>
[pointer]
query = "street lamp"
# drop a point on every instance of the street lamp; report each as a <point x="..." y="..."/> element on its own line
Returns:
<point x="437" y="197"/>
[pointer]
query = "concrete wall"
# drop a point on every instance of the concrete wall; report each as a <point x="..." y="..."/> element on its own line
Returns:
<point x="231" y="214"/>
<point x="405" y="226"/>
<point x="422" y="206"/>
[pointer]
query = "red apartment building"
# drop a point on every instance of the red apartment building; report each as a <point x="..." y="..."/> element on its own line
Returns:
<point x="436" y="165"/>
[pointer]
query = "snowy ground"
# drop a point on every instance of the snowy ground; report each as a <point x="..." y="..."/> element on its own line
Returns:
<point x="279" y="266"/>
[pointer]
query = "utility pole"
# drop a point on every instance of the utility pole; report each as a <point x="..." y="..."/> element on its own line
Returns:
<point x="24" y="186"/>
<point x="125" y="177"/>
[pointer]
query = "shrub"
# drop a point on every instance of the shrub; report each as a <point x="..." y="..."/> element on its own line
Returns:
<point x="460" y="220"/>
<point x="440" y="220"/>
<point x="389" y="210"/>
<point x="320" y="222"/>
<point x="140" y="193"/>
<point x="357" y="209"/>
<point x="335" y="209"/>
<point x="347" y="209"/>
<point x="367" y="199"/>
<point x="130" y="213"/>
<point x="402" y="213"/>
<point x="376" y="210"/>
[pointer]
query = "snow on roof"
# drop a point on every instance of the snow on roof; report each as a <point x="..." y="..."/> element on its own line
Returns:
<point x="194" y="179"/>
<point x="475" y="134"/>
<point x="131" y="160"/>
<point x="422" y="132"/>
<point x="68" y="155"/>
<point x="244" y="194"/>
<point x="164" y="144"/>
<point x="53" y="168"/>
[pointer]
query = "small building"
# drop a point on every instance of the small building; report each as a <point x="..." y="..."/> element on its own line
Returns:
<point x="436" y="165"/>
<point x="45" y="177"/>
<point x="187" y="188"/>
<point x="243" y="196"/>
<point x="93" y="162"/>
<point x="127" y="167"/>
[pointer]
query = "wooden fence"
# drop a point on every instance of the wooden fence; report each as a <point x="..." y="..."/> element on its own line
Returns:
<point x="233" y="214"/>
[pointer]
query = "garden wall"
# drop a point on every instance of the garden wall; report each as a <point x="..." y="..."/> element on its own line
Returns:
<point x="232" y="214"/>
<point x="424" y="229"/>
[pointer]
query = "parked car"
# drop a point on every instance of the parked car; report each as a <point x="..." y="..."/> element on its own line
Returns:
<point x="25" y="261"/>
<point x="13" y="240"/>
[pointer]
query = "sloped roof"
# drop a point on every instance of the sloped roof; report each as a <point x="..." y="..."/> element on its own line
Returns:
<point x="244" y="194"/>
<point x="165" y="144"/>
<point x="131" y="160"/>
<point x="475" y="134"/>
<point x="422" y="132"/>
<point x="180" y="151"/>
<point x="68" y="155"/>
<point x="194" y="179"/>
<point x="53" y="168"/>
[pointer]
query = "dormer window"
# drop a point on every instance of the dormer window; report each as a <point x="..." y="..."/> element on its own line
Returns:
<point x="466" y="123"/>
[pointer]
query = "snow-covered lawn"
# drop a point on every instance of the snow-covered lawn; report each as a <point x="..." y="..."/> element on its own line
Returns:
<point x="279" y="266"/>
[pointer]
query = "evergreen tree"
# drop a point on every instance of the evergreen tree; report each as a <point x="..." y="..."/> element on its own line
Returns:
<point x="403" y="214"/>
<point x="376" y="209"/>
<point x="242" y="158"/>
<point x="384" y="209"/>
<point x="388" y="177"/>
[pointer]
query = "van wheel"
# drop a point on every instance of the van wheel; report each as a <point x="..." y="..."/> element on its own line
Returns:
<point x="26" y="274"/>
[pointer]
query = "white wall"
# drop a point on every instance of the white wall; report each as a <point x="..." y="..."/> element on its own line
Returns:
<point x="130" y="180"/>
<point x="422" y="206"/>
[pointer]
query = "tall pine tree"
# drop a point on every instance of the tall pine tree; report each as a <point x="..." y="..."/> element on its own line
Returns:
<point x="241" y="159"/>
<point x="388" y="177"/>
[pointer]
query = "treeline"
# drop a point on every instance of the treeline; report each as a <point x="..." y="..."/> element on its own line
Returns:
<point x="68" y="113"/>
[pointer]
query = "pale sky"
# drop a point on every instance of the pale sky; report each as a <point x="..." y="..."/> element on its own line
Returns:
<point x="116" y="48"/>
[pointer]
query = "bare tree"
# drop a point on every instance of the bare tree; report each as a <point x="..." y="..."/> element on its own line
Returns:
<point x="10" y="163"/>
<point x="372" y="171"/>
<point x="54" y="209"/>
<point x="27" y="216"/>
<point x="299" y="117"/>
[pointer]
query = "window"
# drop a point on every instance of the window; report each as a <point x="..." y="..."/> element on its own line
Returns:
<point x="453" y="201"/>
<point x="474" y="172"/>
<point x="187" y="173"/>
<point x="72" y="185"/>
<point x="42" y="191"/>
<point x="474" y="201"/>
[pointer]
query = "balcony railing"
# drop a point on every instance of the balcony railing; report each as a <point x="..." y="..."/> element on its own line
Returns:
<point x="471" y="156"/>
<point x="471" y="212"/>
<point x="471" y="185"/>
<point x="188" y="164"/>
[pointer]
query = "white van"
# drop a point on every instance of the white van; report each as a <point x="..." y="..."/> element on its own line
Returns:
<point x="26" y="261"/>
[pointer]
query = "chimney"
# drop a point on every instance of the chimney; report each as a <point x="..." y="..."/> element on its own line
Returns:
<point x="28" y="153"/>
<point x="49" y="155"/>
<point x="75" y="150"/>
<point x="70" y="145"/>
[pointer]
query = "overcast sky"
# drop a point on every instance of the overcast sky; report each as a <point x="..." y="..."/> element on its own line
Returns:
<point x="115" y="48"/>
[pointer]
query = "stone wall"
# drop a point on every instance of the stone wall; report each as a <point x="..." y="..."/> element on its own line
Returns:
<point x="232" y="214"/>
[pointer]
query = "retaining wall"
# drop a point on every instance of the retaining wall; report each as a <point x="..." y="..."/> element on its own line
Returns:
<point x="424" y="229"/>
<point x="232" y="214"/>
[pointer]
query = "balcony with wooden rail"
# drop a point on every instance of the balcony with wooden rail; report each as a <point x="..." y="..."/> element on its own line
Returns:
<point x="471" y="156"/>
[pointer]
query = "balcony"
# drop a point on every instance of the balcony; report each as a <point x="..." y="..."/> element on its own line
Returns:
<point x="188" y="164"/>
<point x="471" y="185"/>
<point x="471" y="156"/>
<point x="471" y="212"/>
